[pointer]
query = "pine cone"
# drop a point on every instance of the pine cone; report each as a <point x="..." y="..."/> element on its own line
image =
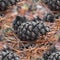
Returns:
<point x="47" y="53"/>
<point x="8" y="54"/>
<point x="4" y="4"/>
<point x="54" y="56"/>
<point x="53" y="4"/>
<point x="31" y="30"/>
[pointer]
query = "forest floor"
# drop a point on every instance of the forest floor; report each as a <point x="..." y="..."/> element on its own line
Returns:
<point x="34" y="52"/>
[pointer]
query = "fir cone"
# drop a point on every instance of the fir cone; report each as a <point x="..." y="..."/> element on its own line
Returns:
<point x="54" y="56"/>
<point x="46" y="54"/>
<point x="8" y="54"/>
<point x="31" y="30"/>
<point x="4" y="4"/>
<point x="53" y="4"/>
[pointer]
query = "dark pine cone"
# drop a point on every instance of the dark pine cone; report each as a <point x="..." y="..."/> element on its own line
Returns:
<point x="4" y="4"/>
<point x="53" y="4"/>
<point x="46" y="54"/>
<point x="49" y="18"/>
<point x="30" y="30"/>
<point x="8" y="54"/>
<point x="54" y="56"/>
